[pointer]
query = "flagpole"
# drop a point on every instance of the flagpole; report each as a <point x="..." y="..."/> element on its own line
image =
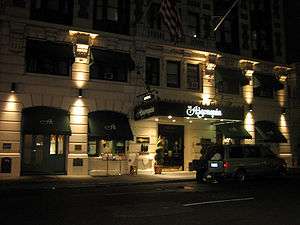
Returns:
<point x="224" y="17"/>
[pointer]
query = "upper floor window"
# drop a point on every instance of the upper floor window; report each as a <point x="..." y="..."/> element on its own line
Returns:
<point x="193" y="79"/>
<point x="48" y="57"/>
<point x="53" y="11"/>
<point x="110" y="65"/>
<point x="173" y="74"/>
<point x="229" y="86"/>
<point x="152" y="71"/>
<point x="107" y="10"/>
<point x="112" y="16"/>
<point x="153" y="17"/>
<point x="194" y="25"/>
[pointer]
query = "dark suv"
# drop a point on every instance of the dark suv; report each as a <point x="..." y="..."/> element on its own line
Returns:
<point x="239" y="161"/>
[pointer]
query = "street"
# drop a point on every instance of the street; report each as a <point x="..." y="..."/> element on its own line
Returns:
<point x="273" y="201"/>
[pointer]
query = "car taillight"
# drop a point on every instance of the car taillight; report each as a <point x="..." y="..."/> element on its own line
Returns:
<point x="226" y="165"/>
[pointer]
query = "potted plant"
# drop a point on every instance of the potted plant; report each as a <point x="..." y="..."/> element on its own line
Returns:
<point x="159" y="156"/>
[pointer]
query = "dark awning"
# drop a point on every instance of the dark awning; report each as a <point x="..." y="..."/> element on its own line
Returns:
<point x="112" y="58"/>
<point x="50" y="49"/>
<point x="268" y="131"/>
<point x="109" y="125"/>
<point x="45" y="120"/>
<point x="266" y="80"/>
<point x="222" y="73"/>
<point x="234" y="130"/>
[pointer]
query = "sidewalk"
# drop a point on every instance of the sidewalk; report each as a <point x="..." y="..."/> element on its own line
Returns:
<point x="69" y="182"/>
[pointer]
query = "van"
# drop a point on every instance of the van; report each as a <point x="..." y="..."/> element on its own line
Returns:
<point x="239" y="162"/>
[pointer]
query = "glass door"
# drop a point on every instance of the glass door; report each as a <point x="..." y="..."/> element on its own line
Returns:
<point x="33" y="154"/>
<point x="172" y="136"/>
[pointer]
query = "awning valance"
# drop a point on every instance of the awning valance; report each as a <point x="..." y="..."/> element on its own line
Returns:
<point x="268" y="80"/>
<point x="268" y="131"/>
<point x="109" y="125"/>
<point x="234" y="130"/>
<point x="45" y="120"/>
<point x="113" y="58"/>
<point x="222" y="74"/>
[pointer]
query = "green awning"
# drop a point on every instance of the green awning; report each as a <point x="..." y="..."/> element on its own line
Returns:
<point x="268" y="131"/>
<point x="109" y="125"/>
<point x="268" y="80"/>
<point x="234" y="131"/>
<point x="50" y="49"/>
<point x="45" y="120"/>
<point x="222" y="73"/>
<point x="113" y="58"/>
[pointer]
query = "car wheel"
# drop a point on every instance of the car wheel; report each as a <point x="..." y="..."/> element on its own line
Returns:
<point x="240" y="175"/>
<point x="282" y="171"/>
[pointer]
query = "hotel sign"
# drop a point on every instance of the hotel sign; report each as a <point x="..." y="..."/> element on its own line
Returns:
<point x="202" y="112"/>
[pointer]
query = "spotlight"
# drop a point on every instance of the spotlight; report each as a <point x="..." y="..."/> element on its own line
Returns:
<point x="79" y="93"/>
<point x="250" y="107"/>
<point x="13" y="87"/>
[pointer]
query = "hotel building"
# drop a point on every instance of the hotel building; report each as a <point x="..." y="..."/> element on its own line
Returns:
<point x="91" y="87"/>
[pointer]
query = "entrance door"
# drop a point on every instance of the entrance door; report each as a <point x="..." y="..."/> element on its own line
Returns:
<point x="43" y="154"/>
<point x="173" y="144"/>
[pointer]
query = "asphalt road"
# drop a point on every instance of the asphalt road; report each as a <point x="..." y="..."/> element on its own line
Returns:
<point x="263" y="201"/>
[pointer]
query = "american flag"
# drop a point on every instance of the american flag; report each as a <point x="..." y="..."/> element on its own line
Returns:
<point x="171" y="18"/>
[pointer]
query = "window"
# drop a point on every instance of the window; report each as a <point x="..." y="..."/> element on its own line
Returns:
<point x="251" y="152"/>
<point x="193" y="77"/>
<point x="229" y="86"/>
<point x="194" y="26"/>
<point x="48" y="57"/>
<point x="56" y="145"/>
<point x="173" y="74"/>
<point x="266" y="92"/>
<point x="112" y="16"/>
<point x="109" y="71"/>
<point x="107" y="10"/>
<point x="236" y="152"/>
<point x="152" y="71"/>
<point x="153" y="17"/>
<point x="105" y="148"/>
<point x="53" y="11"/>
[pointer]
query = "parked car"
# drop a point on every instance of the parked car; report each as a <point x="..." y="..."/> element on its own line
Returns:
<point x="239" y="162"/>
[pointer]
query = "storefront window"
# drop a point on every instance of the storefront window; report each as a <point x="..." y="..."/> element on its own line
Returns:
<point x="60" y="145"/>
<point x="104" y="148"/>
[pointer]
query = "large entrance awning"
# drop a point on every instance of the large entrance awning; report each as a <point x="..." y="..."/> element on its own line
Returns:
<point x="192" y="110"/>
<point x="109" y="125"/>
<point x="267" y="131"/>
<point x="45" y="120"/>
<point x="234" y="131"/>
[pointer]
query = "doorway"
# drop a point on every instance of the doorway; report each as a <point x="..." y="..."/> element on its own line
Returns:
<point x="44" y="154"/>
<point x="173" y="144"/>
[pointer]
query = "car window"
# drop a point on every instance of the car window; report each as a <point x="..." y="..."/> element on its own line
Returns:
<point x="267" y="152"/>
<point x="251" y="151"/>
<point x="236" y="152"/>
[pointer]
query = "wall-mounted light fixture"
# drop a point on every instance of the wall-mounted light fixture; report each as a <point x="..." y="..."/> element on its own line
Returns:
<point x="283" y="110"/>
<point x="13" y="87"/>
<point x="79" y="93"/>
<point x="250" y="107"/>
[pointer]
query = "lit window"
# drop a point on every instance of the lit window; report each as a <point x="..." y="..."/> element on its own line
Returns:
<point x="52" y="145"/>
<point x="60" y="145"/>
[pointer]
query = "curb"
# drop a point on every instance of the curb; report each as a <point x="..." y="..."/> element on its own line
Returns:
<point x="56" y="186"/>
